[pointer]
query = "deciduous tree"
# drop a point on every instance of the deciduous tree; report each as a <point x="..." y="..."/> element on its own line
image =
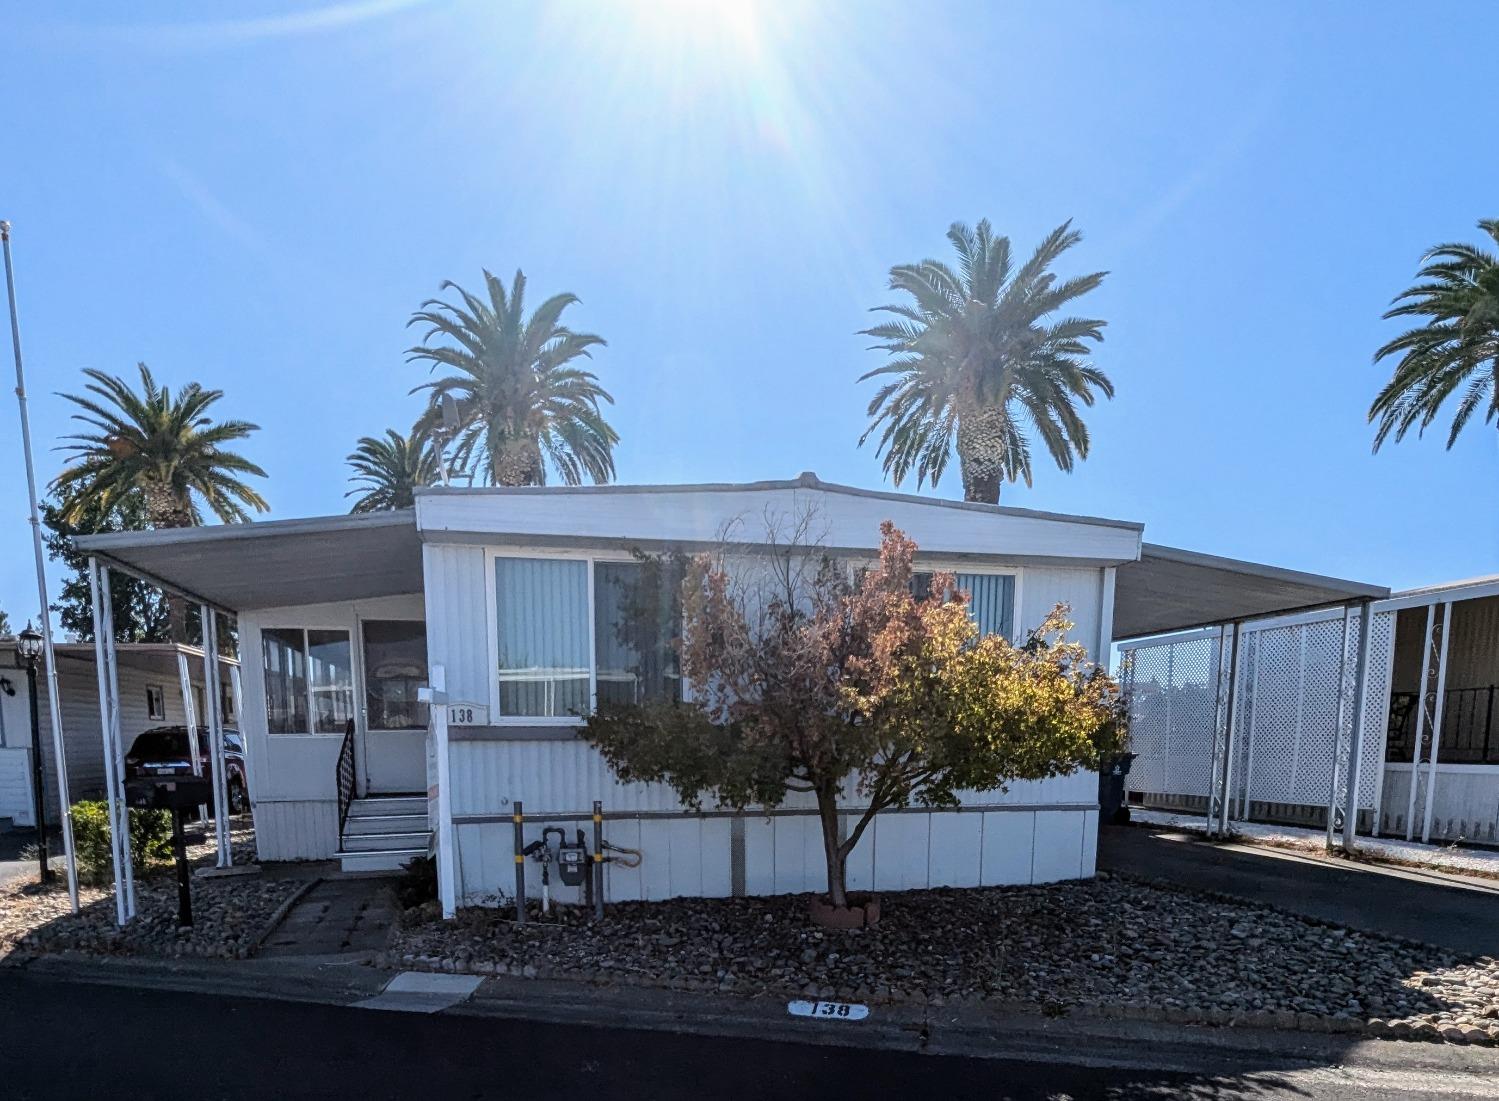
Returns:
<point x="811" y="678"/>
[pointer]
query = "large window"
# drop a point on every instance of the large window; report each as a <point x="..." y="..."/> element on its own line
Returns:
<point x="571" y="633"/>
<point x="395" y="666"/>
<point x="307" y="673"/>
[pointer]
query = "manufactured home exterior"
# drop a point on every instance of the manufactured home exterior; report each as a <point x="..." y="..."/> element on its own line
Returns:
<point x="151" y="687"/>
<point x="503" y="606"/>
<point x="499" y="562"/>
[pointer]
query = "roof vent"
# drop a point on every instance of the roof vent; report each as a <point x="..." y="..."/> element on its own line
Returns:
<point x="808" y="478"/>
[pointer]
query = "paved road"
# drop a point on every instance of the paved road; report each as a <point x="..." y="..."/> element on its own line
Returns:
<point x="125" y="1048"/>
<point x="1396" y="903"/>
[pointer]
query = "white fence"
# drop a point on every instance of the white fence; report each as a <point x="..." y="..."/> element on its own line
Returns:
<point x="1265" y="724"/>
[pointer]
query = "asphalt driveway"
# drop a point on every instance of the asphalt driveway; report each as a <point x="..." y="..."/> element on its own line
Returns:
<point x="1461" y="917"/>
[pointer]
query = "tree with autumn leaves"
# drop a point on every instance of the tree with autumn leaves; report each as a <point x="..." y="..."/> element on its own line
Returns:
<point x="811" y="678"/>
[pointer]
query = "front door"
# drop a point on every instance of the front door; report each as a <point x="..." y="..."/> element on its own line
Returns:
<point x="395" y="723"/>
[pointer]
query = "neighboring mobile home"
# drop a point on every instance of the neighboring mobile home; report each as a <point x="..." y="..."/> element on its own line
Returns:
<point x="151" y="686"/>
<point x="513" y="594"/>
<point x="1433" y="659"/>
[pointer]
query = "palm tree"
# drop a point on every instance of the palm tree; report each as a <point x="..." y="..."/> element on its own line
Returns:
<point x="1455" y="347"/>
<point x="169" y="450"/>
<point x="978" y="363"/>
<point x="521" y="399"/>
<point x="388" y="469"/>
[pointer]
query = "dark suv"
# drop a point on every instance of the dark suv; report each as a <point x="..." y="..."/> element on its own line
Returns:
<point x="163" y="751"/>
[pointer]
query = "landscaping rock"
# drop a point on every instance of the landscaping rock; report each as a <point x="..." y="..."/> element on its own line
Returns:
<point x="1102" y="944"/>
<point x="230" y="913"/>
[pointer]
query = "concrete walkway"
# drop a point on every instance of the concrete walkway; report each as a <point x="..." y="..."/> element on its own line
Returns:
<point x="337" y="916"/>
<point x="1443" y="857"/>
<point x="1461" y="916"/>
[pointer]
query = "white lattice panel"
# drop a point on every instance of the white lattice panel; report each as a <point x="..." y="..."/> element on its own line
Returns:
<point x="1292" y="712"/>
<point x="1172" y="706"/>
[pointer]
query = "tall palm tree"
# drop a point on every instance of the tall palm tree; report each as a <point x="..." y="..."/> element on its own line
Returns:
<point x="388" y="469"/>
<point x="167" y="449"/>
<point x="522" y="400"/>
<point x="153" y="449"/>
<point x="1455" y="347"/>
<point x="979" y="364"/>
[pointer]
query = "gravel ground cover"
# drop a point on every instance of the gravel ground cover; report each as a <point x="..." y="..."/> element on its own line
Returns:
<point x="1109" y="945"/>
<point x="229" y="914"/>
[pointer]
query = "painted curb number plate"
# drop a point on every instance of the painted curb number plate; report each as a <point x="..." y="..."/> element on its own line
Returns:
<point x="831" y="1011"/>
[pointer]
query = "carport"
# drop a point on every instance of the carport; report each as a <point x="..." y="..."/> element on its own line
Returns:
<point x="1206" y="642"/>
<point x="224" y="570"/>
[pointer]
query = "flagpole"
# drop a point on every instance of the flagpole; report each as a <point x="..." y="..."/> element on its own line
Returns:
<point x="59" y="750"/>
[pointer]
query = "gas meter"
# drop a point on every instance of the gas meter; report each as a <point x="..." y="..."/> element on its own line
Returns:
<point x="572" y="860"/>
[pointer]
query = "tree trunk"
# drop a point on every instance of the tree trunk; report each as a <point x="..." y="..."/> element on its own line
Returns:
<point x="516" y="462"/>
<point x="982" y="443"/>
<point x="165" y="509"/>
<point x="837" y="859"/>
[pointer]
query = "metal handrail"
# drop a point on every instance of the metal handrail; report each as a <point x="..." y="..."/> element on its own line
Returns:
<point x="1470" y="734"/>
<point x="344" y="776"/>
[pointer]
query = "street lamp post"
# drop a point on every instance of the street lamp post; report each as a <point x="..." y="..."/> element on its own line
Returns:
<point x="28" y="651"/>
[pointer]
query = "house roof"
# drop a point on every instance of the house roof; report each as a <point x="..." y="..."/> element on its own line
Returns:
<point x="806" y="480"/>
<point x="280" y="563"/>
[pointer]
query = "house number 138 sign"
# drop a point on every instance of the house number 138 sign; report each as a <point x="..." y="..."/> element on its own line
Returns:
<point x="829" y="1011"/>
<point x="468" y="714"/>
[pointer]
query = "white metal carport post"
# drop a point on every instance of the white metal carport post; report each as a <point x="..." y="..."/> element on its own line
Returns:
<point x="190" y="718"/>
<point x="435" y="696"/>
<point x="1356" y="732"/>
<point x="1436" y="730"/>
<point x="114" y="758"/>
<point x="210" y="622"/>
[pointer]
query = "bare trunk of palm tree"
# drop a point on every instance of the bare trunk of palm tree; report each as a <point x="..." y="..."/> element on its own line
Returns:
<point x="981" y="454"/>
<point x="517" y="463"/>
<point x="165" y="509"/>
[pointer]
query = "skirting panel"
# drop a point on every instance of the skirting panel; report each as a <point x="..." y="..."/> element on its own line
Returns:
<point x="701" y="857"/>
<point x="300" y="830"/>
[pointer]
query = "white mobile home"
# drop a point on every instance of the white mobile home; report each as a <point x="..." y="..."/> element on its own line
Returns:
<point x="153" y="677"/>
<point x="505" y="600"/>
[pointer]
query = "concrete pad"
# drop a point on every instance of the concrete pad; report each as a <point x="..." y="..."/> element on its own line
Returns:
<point x="422" y="992"/>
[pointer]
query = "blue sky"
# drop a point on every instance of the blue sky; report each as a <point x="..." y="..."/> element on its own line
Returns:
<point x="259" y="203"/>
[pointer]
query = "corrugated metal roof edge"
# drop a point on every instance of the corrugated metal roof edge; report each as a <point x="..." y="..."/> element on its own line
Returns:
<point x="255" y="529"/>
<point x="1258" y="569"/>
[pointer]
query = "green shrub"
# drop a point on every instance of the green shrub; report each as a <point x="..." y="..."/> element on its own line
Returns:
<point x="150" y="840"/>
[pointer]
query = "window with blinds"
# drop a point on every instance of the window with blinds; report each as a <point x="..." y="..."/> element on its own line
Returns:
<point x="574" y="633"/>
<point x="991" y="599"/>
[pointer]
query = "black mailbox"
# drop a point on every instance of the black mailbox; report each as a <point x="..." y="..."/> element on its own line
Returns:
<point x="174" y="793"/>
<point x="178" y="794"/>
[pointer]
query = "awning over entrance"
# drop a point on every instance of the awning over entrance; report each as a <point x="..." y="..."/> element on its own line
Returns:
<point x="1172" y="590"/>
<point x="275" y="563"/>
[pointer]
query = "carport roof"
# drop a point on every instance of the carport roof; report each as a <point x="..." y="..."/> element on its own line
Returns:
<point x="281" y="563"/>
<point x="1172" y="590"/>
<point x="275" y="563"/>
